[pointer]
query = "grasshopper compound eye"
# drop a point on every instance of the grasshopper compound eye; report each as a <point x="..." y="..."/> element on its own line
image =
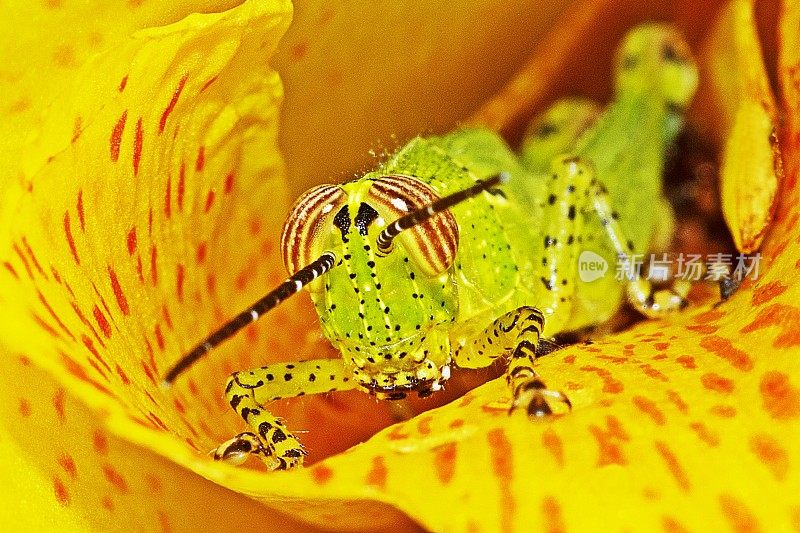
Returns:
<point x="311" y="215"/>
<point x="433" y="231"/>
<point x="432" y="242"/>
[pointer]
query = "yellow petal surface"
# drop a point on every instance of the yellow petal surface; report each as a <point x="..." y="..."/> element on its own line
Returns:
<point x="134" y="230"/>
<point x="64" y="471"/>
<point x="737" y="109"/>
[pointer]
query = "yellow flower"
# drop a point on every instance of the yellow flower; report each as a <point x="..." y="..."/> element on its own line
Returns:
<point x="142" y="193"/>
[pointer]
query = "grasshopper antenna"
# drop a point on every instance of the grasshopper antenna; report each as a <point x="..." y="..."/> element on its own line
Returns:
<point x="291" y="286"/>
<point x="385" y="238"/>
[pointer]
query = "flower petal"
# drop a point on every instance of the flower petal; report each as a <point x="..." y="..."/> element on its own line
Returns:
<point x="62" y="466"/>
<point x="738" y="111"/>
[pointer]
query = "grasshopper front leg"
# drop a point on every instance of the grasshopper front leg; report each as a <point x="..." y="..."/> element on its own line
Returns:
<point x="515" y="334"/>
<point x="248" y="392"/>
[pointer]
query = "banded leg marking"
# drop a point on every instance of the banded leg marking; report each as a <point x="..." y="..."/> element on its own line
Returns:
<point x="248" y="391"/>
<point x="516" y="333"/>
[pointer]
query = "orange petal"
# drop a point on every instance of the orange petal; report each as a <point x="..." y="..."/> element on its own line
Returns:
<point x="737" y="109"/>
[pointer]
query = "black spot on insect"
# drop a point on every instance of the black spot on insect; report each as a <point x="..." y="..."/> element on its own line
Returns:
<point x="544" y="261"/>
<point x="371" y="264"/>
<point x="571" y="188"/>
<point x="371" y="359"/>
<point x="549" y="241"/>
<point x="269" y="377"/>
<point x="287" y="377"/>
<point x="263" y="428"/>
<point x="278" y="436"/>
<point x="387" y="356"/>
<point x="342" y="221"/>
<point x="352" y="275"/>
<point x="366" y="214"/>
<point x="546" y="129"/>
<point x="290" y="366"/>
<point x="614" y="215"/>
<point x="552" y="199"/>
<point x="630" y="245"/>
<point x="675" y="108"/>
<point x="411" y="275"/>
<point x="570" y="239"/>
<point x="668" y="53"/>
<point x="378" y="286"/>
<point x="235" y="401"/>
<point x="547" y="284"/>
<point x="397" y="327"/>
<point x="293" y="453"/>
<point x="346" y="257"/>
<point x="564" y="281"/>
<point x="386" y="310"/>
<point x="312" y="377"/>
<point x="571" y="212"/>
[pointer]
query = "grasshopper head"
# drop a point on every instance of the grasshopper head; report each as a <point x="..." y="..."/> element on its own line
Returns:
<point x="657" y="53"/>
<point x="387" y="312"/>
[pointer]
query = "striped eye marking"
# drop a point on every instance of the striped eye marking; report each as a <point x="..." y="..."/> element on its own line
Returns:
<point x="432" y="244"/>
<point x="307" y="220"/>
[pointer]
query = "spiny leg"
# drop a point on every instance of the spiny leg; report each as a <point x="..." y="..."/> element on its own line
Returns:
<point x="516" y="333"/>
<point x="640" y="292"/>
<point x="248" y="391"/>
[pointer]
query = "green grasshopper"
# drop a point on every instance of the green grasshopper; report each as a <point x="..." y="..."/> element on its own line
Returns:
<point x="456" y="251"/>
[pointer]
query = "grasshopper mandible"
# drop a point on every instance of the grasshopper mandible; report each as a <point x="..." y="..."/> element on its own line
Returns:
<point x="457" y="252"/>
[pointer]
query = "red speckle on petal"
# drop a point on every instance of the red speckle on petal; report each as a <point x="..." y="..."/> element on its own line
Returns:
<point x="202" y="249"/>
<point x="153" y="265"/>
<point x="208" y="83"/>
<point x="101" y="320"/>
<point x="68" y="464"/>
<point x="10" y="269"/>
<point x="181" y="186"/>
<point x="725" y="349"/>
<point x="36" y="264"/>
<point x="122" y="375"/>
<point x="58" y="403"/>
<point x="552" y="443"/>
<point x="424" y="425"/>
<point x="229" y="182"/>
<point x="175" y="95"/>
<point x="321" y="474"/>
<point x="772" y="454"/>
<point x="209" y="201"/>
<point x="739" y="516"/>
<point x="159" y="337"/>
<point x="132" y="240"/>
<point x="649" y="408"/>
<point x="609" y="442"/>
<point x="123" y="82"/>
<point x="444" y="461"/>
<point x="299" y="51"/>
<point x="138" y="139"/>
<point x="24" y="407"/>
<point x="181" y="274"/>
<point x="107" y="503"/>
<point x="781" y="399"/>
<point x="378" y="473"/>
<point x="116" y="136"/>
<point x="77" y="129"/>
<point x="704" y="434"/>
<point x="79" y="209"/>
<point x="168" y="197"/>
<point x="717" y="383"/>
<point x="100" y="442"/>
<point x="767" y="292"/>
<point x="60" y="491"/>
<point x="200" y="162"/>
<point x="673" y="466"/>
<point x="687" y="361"/>
<point x="552" y="515"/>
<point x="115" y="478"/>
<point x="122" y="301"/>
<point x="502" y="455"/>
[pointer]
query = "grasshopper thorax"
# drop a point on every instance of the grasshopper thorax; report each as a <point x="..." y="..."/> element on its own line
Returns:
<point x="388" y="313"/>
